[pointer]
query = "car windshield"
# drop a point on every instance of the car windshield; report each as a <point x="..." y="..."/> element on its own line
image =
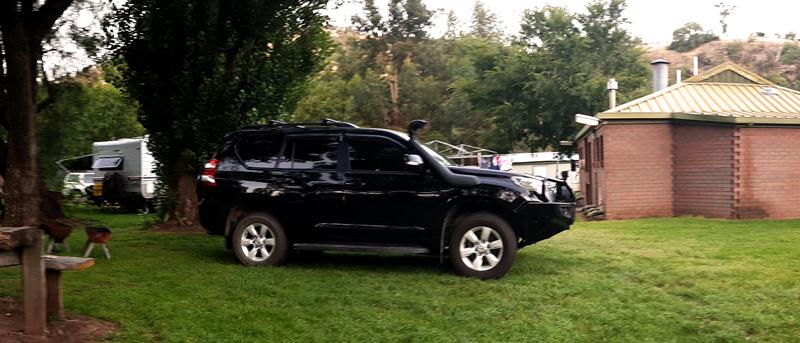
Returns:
<point x="443" y="160"/>
<point x="437" y="156"/>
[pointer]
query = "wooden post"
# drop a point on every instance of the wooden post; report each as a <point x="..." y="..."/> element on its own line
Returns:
<point x="33" y="284"/>
<point x="55" y="302"/>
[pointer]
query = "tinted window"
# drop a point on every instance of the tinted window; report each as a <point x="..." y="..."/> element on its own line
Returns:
<point x="72" y="178"/>
<point x="259" y="151"/>
<point x="376" y="154"/>
<point x="313" y="152"/>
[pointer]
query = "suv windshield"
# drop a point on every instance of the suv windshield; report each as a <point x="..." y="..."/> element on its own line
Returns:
<point x="437" y="156"/>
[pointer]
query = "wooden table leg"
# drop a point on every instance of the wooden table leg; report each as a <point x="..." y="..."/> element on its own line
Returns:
<point x="55" y="302"/>
<point x="33" y="285"/>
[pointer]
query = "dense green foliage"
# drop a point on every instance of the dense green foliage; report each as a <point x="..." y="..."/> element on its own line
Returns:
<point x="689" y="37"/>
<point x="790" y="54"/>
<point x="202" y="68"/>
<point x="654" y="280"/>
<point x="476" y="87"/>
<point x="84" y="109"/>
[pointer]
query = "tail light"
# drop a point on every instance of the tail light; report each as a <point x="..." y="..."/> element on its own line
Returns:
<point x="209" y="171"/>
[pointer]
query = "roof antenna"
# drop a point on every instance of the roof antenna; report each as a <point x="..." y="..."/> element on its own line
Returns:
<point x="414" y="126"/>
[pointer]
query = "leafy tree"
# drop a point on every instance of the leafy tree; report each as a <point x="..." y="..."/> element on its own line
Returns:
<point x="201" y="68"/>
<point x="389" y="41"/>
<point x="725" y="10"/>
<point x="452" y="26"/>
<point x="689" y="37"/>
<point x="484" y="22"/>
<point x="561" y="70"/>
<point x="24" y="24"/>
<point x="790" y="54"/>
<point x="85" y="109"/>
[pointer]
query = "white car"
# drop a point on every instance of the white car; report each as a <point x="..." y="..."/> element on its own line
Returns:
<point x="75" y="184"/>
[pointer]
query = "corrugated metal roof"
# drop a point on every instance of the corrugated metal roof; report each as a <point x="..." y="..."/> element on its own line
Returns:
<point x="724" y="99"/>
<point x="714" y="100"/>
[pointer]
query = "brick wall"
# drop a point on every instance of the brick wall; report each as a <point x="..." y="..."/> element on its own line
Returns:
<point x="768" y="174"/>
<point x="637" y="178"/>
<point x="703" y="170"/>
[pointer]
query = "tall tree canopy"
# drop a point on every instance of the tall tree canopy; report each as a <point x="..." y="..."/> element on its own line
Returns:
<point x="201" y="68"/>
<point x="389" y="44"/>
<point x="562" y="70"/>
<point x="24" y="24"/>
<point x="479" y="88"/>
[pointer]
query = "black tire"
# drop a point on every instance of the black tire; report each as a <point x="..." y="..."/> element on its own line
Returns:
<point x="487" y="267"/>
<point x="267" y="228"/>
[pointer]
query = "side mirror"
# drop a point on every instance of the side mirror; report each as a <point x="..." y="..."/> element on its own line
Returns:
<point x="413" y="160"/>
<point x="564" y="174"/>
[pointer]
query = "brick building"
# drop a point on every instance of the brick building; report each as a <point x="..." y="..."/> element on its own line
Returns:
<point x="724" y="144"/>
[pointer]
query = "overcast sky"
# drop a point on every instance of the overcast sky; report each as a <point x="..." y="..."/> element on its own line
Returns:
<point x="653" y="21"/>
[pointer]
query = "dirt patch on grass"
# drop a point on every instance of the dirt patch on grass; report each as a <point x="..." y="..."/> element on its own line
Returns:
<point x="176" y="227"/>
<point x="73" y="328"/>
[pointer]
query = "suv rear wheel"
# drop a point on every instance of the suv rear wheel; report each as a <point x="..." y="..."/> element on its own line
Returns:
<point x="259" y="240"/>
<point x="483" y="245"/>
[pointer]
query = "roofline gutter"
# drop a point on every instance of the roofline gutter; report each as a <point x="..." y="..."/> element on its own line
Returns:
<point x="695" y="117"/>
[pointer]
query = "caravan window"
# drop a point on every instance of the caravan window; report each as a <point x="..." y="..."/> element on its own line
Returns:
<point x="107" y="163"/>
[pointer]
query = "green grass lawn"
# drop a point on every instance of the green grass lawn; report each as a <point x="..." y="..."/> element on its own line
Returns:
<point x="681" y="279"/>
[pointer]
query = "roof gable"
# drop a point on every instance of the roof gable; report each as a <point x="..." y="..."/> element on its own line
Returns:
<point x="729" y="72"/>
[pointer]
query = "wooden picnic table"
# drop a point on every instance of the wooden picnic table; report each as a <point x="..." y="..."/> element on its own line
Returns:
<point x="41" y="275"/>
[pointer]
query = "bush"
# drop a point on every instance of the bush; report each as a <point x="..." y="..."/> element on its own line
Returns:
<point x="790" y="54"/>
<point x="734" y="50"/>
<point x="689" y="37"/>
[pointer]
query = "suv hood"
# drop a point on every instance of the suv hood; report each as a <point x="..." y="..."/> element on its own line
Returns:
<point x="485" y="172"/>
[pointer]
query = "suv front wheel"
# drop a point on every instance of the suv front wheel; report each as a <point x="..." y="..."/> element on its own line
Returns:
<point x="259" y="240"/>
<point x="483" y="245"/>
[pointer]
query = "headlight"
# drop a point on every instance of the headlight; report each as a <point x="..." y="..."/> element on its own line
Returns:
<point x="535" y="186"/>
<point x="529" y="183"/>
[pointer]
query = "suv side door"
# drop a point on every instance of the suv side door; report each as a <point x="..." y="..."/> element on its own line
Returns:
<point x="312" y="162"/>
<point x="387" y="201"/>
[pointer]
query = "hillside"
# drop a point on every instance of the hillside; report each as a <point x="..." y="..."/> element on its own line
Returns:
<point x="777" y="60"/>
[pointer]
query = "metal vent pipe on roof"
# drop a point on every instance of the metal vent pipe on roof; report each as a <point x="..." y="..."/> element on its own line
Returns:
<point x="660" y="74"/>
<point x="612" y="87"/>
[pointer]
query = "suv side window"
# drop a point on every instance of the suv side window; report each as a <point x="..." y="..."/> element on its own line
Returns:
<point x="376" y="154"/>
<point x="259" y="150"/>
<point x="311" y="152"/>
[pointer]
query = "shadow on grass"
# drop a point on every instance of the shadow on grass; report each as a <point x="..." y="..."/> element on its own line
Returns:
<point x="336" y="260"/>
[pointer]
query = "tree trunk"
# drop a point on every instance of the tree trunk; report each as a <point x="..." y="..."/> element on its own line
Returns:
<point x="21" y="186"/>
<point x="185" y="194"/>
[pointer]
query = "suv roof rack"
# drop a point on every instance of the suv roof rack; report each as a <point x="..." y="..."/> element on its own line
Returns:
<point x="277" y="123"/>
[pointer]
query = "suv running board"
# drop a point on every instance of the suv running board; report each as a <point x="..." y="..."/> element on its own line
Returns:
<point x="384" y="249"/>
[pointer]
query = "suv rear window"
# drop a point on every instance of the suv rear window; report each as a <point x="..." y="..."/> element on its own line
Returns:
<point x="311" y="152"/>
<point x="260" y="150"/>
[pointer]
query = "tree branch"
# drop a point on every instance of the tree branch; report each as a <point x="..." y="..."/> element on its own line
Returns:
<point x="51" y="92"/>
<point x="45" y="17"/>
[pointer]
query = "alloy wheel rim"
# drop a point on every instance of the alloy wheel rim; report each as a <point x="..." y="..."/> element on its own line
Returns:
<point x="258" y="242"/>
<point x="481" y="248"/>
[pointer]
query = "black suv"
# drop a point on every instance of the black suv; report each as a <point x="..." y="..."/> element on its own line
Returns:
<point x="275" y="189"/>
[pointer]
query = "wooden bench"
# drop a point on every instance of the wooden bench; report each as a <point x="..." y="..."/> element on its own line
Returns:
<point x="23" y="246"/>
<point x="53" y="267"/>
<point x="41" y="295"/>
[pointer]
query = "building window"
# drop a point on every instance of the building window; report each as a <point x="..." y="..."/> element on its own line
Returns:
<point x="600" y="151"/>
